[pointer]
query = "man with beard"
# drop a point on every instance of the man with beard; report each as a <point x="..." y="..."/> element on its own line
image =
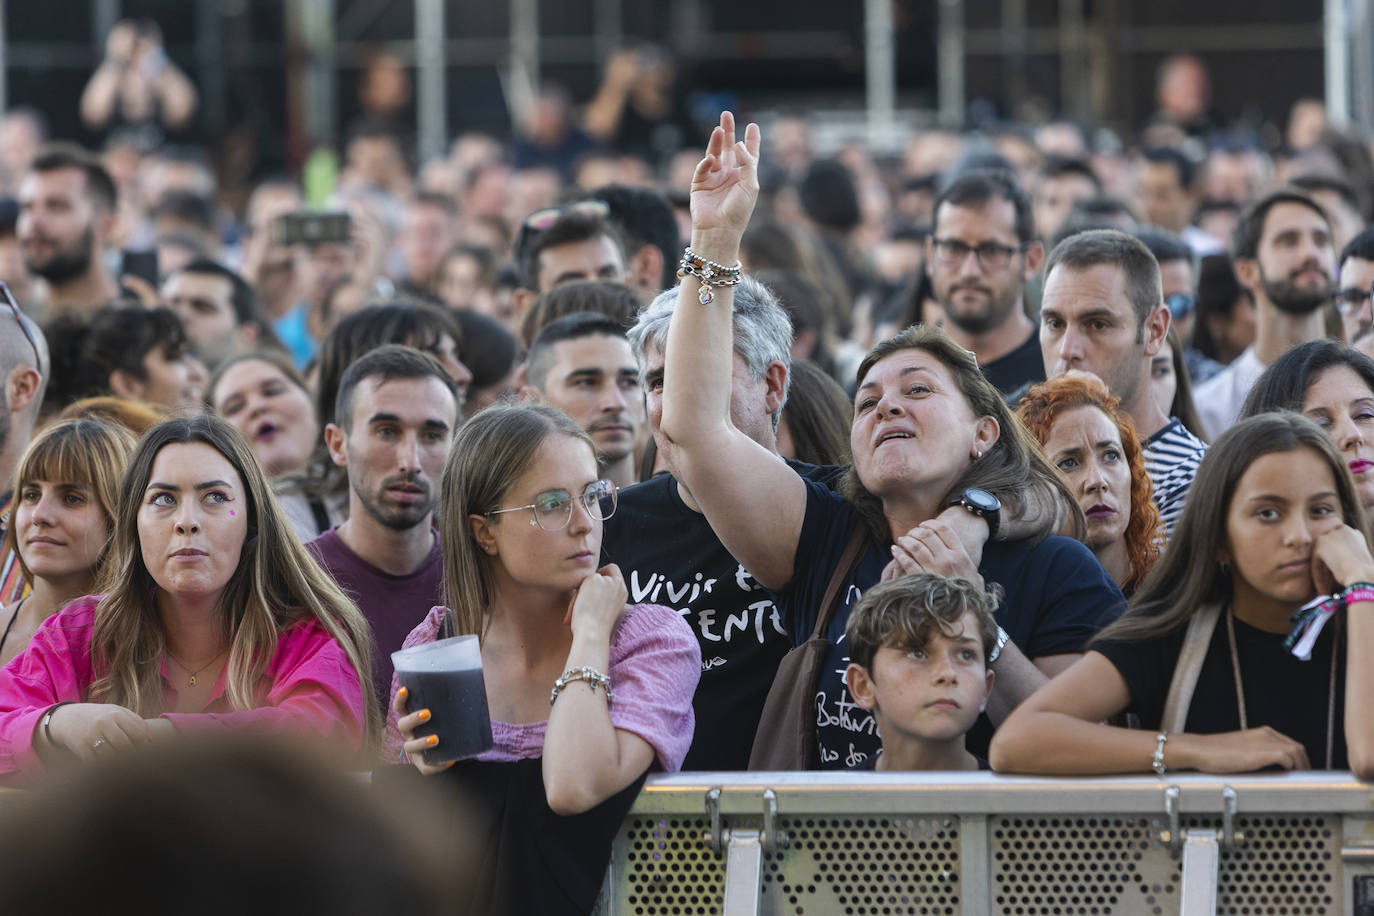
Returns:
<point x="1285" y="261"/>
<point x="66" y="215"/>
<point x="398" y="409"/>
<point x="583" y="365"/>
<point x="980" y="255"/>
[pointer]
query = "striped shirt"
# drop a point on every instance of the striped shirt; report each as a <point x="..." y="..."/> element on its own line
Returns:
<point x="13" y="584"/>
<point x="1171" y="459"/>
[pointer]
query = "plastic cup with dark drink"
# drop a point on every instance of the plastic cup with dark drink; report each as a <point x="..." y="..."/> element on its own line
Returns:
<point x="445" y="677"/>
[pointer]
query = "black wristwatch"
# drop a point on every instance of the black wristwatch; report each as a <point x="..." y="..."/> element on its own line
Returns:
<point x="984" y="505"/>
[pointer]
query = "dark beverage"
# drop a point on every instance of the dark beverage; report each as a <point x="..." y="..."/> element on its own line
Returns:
<point x="457" y="702"/>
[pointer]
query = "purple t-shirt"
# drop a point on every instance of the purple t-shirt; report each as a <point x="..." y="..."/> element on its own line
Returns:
<point x="393" y="605"/>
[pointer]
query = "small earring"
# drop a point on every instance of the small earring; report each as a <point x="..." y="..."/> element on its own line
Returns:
<point x="533" y="522"/>
<point x="977" y="454"/>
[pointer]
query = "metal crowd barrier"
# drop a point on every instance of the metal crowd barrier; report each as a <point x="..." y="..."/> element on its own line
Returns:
<point x="960" y="844"/>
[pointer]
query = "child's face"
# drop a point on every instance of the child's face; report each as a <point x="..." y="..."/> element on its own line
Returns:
<point x="931" y="694"/>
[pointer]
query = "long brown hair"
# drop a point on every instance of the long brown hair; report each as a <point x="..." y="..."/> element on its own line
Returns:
<point x="1050" y="400"/>
<point x="277" y="584"/>
<point x="1191" y="574"/>
<point x="81" y="452"/>
<point x="1010" y="469"/>
<point x="491" y="452"/>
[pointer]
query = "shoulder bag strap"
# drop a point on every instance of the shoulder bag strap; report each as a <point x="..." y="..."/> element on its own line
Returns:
<point x="1195" y="644"/>
<point x="842" y="569"/>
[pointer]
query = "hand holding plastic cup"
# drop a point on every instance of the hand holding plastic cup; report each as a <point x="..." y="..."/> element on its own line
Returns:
<point x="445" y="677"/>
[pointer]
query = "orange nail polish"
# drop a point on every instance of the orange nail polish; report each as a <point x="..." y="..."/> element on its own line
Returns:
<point x="402" y="692"/>
<point x="432" y="740"/>
<point x="424" y="715"/>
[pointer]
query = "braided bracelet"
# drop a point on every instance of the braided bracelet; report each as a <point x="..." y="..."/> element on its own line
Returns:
<point x="1356" y="592"/>
<point x="708" y="274"/>
<point x="593" y="678"/>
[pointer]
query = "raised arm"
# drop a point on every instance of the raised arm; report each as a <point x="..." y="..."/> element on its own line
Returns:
<point x="753" y="500"/>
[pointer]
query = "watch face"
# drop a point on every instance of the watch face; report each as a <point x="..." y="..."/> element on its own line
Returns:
<point x="981" y="500"/>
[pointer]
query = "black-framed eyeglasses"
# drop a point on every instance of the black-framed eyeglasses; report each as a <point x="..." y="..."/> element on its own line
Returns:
<point x="553" y="509"/>
<point x="23" y="326"/>
<point x="991" y="255"/>
<point x="1351" y="301"/>
<point x="1180" y="305"/>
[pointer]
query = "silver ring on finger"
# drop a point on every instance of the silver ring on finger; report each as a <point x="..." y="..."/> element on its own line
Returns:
<point x="99" y="743"/>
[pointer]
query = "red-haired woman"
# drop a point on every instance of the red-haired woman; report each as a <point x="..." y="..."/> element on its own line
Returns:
<point x="1087" y="435"/>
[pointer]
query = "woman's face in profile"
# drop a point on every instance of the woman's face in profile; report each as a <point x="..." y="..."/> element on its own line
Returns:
<point x="192" y="521"/>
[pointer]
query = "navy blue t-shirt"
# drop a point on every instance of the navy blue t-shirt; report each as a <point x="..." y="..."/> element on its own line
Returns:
<point x="1056" y="596"/>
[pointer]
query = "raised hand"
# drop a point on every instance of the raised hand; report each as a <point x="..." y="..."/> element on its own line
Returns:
<point x="725" y="188"/>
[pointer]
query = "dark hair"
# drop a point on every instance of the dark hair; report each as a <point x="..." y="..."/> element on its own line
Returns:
<point x="1166" y="246"/>
<point x="645" y="217"/>
<point x="9" y="217"/>
<point x="434" y="199"/>
<point x="412" y="324"/>
<point x="616" y="301"/>
<point x="817" y="415"/>
<point x="572" y="226"/>
<point x="1361" y="246"/>
<point x="569" y="327"/>
<point x="1284" y="384"/>
<point x="1166" y="155"/>
<point x="489" y="350"/>
<point x="828" y="195"/>
<point x="387" y="362"/>
<point x="85" y="352"/>
<point x="1109" y="246"/>
<point x="1062" y="166"/>
<point x="187" y="207"/>
<point x="1338" y="186"/>
<point x="904" y="613"/>
<point x="1191" y="574"/>
<point x="64" y="155"/>
<point x="1217" y="292"/>
<point x="1250" y="225"/>
<point x="242" y="297"/>
<point x="976" y="188"/>
<point x="1102" y="212"/>
<point x="273" y="357"/>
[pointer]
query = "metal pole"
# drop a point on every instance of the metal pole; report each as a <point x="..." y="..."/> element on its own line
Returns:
<point x="1014" y="54"/>
<point x="4" y="62"/>
<point x="1363" y="107"/>
<point x="432" y="101"/>
<point x="950" y="61"/>
<point x="1073" y="77"/>
<point x="880" y="70"/>
<point x="1337" y="59"/>
<point x="524" y="57"/>
<point x="321" y="77"/>
<point x="211" y="69"/>
<point x="609" y="33"/>
<point x="104" y="15"/>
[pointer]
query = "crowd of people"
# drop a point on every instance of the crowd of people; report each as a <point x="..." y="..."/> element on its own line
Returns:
<point x="1061" y="453"/>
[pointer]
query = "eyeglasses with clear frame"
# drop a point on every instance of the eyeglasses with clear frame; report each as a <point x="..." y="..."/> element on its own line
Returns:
<point x="553" y="509"/>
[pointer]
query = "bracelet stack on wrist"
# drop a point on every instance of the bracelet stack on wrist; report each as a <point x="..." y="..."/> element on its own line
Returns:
<point x="708" y="273"/>
<point x="593" y="678"/>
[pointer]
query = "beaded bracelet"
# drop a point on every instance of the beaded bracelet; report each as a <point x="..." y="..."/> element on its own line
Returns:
<point x="708" y="273"/>
<point x="593" y="678"/>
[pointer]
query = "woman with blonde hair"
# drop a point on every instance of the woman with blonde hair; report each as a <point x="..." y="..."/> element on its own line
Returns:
<point x="1091" y="440"/>
<point x="216" y="618"/>
<point x="65" y="492"/>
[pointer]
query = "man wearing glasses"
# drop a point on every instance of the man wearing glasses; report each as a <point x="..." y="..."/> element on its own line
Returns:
<point x="980" y="255"/>
<point x="563" y="245"/>
<point x="1354" y="286"/>
<point x="397" y="410"/>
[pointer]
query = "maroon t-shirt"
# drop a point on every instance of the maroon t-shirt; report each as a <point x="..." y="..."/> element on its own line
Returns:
<point x="393" y="605"/>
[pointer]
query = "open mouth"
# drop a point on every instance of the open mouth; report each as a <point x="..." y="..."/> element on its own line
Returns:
<point x="266" y="432"/>
<point x="895" y="434"/>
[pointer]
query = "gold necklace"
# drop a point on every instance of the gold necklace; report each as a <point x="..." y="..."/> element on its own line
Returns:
<point x="187" y="668"/>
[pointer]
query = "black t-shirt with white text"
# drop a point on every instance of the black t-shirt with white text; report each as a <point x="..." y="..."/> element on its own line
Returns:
<point x="669" y="555"/>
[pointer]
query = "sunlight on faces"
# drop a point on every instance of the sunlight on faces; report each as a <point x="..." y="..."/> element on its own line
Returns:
<point x="60" y="527"/>
<point x="913" y="427"/>
<point x="933" y="693"/>
<point x="395" y="450"/>
<point x="275" y="416"/>
<point x="174" y="382"/>
<point x="1295" y="261"/>
<point x="204" y="303"/>
<point x="748" y="400"/>
<point x="1340" y="402"/>
<point x="594" y="380"/>
<point x="974" y="298"/>
<point x="1357" y="276"/>
<point x="1282" y="504"/>
<point x="529" y="555"/>
<point x="591" y="259"/>
<point x="1087" y="322"/>
<point x="1085" y="444"/>
<point x="1163" y="381"/>
<point x="193" y="521"/>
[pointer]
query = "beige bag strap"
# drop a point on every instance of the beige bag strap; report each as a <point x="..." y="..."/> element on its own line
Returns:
<point x="1195" y="644"/>
<point x="837" y="579"/>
